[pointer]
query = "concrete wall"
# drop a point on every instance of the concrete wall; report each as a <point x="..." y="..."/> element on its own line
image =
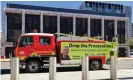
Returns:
<point x="0" y="42"/>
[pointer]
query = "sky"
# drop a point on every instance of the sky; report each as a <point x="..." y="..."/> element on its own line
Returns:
<point x="61" y="4"/>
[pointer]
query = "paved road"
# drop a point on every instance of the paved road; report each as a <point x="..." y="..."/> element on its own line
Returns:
<point x="5" y="65"/>
<point x="122" y="64"/>
<point x="73" y="73"/>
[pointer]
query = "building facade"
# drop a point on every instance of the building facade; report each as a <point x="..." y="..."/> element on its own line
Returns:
<point x="0" y="42"/>
<point x="109" y="8"/>
<point x="20" y="19"/>
<point x="132" y="30"/>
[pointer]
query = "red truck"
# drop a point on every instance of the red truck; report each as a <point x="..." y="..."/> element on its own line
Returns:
<point x="34" y="50"/>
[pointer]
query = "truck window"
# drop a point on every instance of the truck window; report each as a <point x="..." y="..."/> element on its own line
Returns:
<point x="29" y="40"/>
<point x="26" y="41"/>
<point x="44" y="40"/>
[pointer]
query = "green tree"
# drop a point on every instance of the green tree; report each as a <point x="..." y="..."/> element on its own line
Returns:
<point x="131" y="42"/>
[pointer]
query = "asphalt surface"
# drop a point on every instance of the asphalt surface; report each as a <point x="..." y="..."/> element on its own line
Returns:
<point x="5" y="65"/>
<point x="70" y="73"/>
<point x="122" y="64"/>
<point x="125" y="72"/>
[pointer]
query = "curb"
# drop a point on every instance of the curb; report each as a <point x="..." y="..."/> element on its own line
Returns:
<point x="4" y="60"/>
<point x="129" y="58"/>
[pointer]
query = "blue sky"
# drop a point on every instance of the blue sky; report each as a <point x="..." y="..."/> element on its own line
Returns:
<point x="61" y="4"/>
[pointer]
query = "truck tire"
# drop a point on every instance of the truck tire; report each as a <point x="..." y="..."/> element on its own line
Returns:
<point x="33" y="66"/>
<point x="95" y="65"/>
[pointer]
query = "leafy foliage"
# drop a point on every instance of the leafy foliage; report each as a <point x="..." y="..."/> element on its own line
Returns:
<point x="131" y="42"/>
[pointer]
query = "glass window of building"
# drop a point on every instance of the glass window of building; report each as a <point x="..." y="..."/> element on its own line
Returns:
<point x="121" y="31"/>
<point x="89" y="4"/>
<point x="122" y="52"/>
<point x="81" y="26"/>
<point x="96" y="5"/>
<point x="49" y="24"/>
<point x="113" y="6"/>
<point x="117" y="7"/>
<point x="109" y="30"/>
<point x="66" y="25"/>
<point x="8" y="50"/>
<point x="103" y="7"/>
<point x="32" y="22"/>
<point x="106" y="7"/>
<point x="99" y="5"/>
<point x="121" y="8"/>
<point x="86" y="5"/>
<point x="95" y="27"/>
<point x="109" y="6"/>
<point x="102" y="4"/>
<point x="14" y="26"/>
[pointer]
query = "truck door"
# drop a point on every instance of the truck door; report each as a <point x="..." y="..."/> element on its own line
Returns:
<point x="45" y="45"/>
<point x="26" y="46"/>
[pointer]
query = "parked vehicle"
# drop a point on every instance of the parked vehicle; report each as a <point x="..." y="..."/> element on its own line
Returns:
<point x="34" y="50"/>
<point x="131" y="54"/>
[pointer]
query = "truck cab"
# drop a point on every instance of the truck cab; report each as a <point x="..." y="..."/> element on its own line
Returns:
<point x="35" y="43"/>
<point x="34" y="48"/>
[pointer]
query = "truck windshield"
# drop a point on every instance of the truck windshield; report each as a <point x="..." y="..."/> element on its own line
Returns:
<point x="25" y="41"/>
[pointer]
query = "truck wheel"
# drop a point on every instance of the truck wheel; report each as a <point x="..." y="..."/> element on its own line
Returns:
<point x="33" y="66"/>
<point x="95" y="65"/>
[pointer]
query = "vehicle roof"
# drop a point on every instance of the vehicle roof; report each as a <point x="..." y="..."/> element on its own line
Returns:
<point x="32" y="34"/>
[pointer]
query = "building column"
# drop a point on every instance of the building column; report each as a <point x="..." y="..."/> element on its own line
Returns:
<point x="115" y="32"/>
<point x="102" y="32"/>
<point x="3" y="33"/>
<point x="128" y="51"/>
<point x="3" y="51"/>
<point x="74" y="25"/>
<point x="127" y="36"/>
<point x="127" y="32"/>
<point x="23" y="21"/>
<point x="41" y="22"/>
<point x="3" y="25"/>
<point x="58" y="23"/>
<point x="89" y="26"/>
<point x="115" y="25"/>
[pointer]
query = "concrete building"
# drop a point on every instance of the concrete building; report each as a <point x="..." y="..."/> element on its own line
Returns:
<point x="21" y="19"/>
<point x="132" y="29"/>
<point x="109" y="8"/>
<point x="0" y="42"/>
